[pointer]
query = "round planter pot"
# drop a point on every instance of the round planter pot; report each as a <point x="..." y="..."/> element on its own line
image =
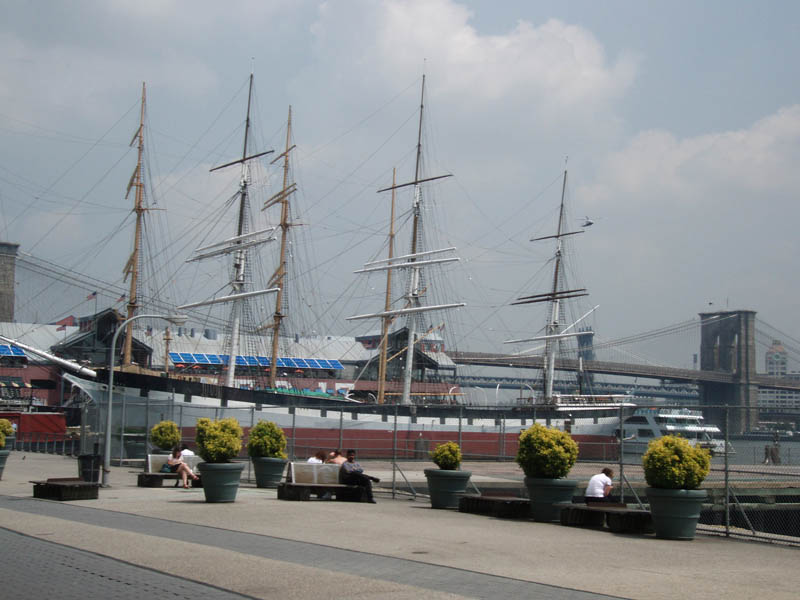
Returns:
<point x="675" y="512"/>
<point x="446" y="487"/>
<point x="3" y="456"/>
<point x="547" y="494"/>
<point x="220" y="480"/>
<point x="268" y="471"/>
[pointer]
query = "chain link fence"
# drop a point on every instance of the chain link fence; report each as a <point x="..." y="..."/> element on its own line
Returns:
<point x="753" y="487"/>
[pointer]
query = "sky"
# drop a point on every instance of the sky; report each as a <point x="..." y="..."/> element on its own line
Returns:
<point x="678" y="123"/>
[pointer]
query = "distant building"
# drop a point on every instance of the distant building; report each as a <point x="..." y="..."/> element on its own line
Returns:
<point x="776" y="362"/>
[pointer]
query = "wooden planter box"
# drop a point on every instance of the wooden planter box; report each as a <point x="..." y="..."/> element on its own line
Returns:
<point x="67" y="488"/>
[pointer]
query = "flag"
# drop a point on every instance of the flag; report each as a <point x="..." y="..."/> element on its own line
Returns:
<point x="121" y="298"/>
<point x="91" y="296"/>
<point x="62" y="328"/>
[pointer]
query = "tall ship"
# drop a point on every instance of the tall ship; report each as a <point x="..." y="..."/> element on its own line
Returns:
<point x="383" y="390"/>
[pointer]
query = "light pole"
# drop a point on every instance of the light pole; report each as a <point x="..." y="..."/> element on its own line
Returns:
<point x="485" y="399"/>
<point x="174" y="319"/>
<point x="450" y="391"/>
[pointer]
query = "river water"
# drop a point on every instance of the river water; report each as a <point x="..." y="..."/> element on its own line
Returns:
<point x="751" y="452"/>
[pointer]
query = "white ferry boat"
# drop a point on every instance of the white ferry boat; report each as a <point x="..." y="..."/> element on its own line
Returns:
<point x="646" y="424"/>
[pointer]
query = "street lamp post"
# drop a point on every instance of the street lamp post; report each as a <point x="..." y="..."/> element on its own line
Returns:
<point x="176" y="320"/>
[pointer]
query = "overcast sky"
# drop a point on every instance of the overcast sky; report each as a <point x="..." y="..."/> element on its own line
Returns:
<point x="681" y="121"/>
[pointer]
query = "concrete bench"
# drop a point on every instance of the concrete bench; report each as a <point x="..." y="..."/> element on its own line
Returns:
<point x="153" y="477"/>
<point x="506" y="507"/>
<point x="65" y="488"/>
<point x="617" y="517"/>
<point x="303" y="479"/>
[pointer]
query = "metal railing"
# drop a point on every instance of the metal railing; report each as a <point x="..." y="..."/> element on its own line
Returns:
<point x="754" y="489"/>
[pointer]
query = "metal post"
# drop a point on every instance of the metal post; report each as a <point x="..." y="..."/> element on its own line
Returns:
<point x="460" y="418"/>
<point x="294" y="428"/>
<point x="341" y="426"/>
<point x="146" y="427"/>
<point x="394" y="454"/>
<point x="122" y="418"/>
<point x="84" y="418"/>
<point x="621" y="458"/>
<point x="112" y="358"/>
<point x="727" y="481"/>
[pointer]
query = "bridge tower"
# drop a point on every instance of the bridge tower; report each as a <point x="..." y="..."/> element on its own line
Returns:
<point x="727" y="344"/>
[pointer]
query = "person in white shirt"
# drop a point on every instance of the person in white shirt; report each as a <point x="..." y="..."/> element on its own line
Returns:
<point x="185" y="451"/>
<point x="599" y="487"/>
<point x="318" y="458"/>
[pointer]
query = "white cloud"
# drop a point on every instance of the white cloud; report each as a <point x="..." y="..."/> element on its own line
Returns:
<point x="708" y="216"/>
<point x="555" y="66"/>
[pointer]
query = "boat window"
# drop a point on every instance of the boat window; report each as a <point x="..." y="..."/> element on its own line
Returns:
<point x="636" y="420"/>
<point x="645" y="433"/>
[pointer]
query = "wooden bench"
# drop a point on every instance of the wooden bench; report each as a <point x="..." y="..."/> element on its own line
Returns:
<point x="617" y="517"/>
<point x="65" y="488"/>
<point x="505" y="507"/>
<point x="153" y="477"/>
<point x="303" y="479"/>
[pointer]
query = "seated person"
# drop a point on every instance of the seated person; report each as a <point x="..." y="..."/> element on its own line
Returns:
<point x="185" y="451"/>
<point x="351" y="473"/>
<point x="177" y="465"/>
<point x="318" y="458"/>
<point x="336" y="458"/>
<point x="599" y="487"/>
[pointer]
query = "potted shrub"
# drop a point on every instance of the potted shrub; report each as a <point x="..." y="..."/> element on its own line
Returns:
<point x="218" y="442"/>
<point x="4" y="452"/>
<point x="266" y="446"/>
<point x="674" y="469"/>
<point x="165" y="435"/>
<point x="8" y="431"/>
<point x="446" y="484"/>
<point x="546" y="456"/>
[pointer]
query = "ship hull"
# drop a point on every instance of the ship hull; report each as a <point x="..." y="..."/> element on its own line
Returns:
<point x="375" y="431"/>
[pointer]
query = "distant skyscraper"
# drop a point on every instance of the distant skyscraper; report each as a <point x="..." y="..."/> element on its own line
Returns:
<point x="776" y="359"/>
<point x="8" y="260"/>
<point x="776" y="362"/>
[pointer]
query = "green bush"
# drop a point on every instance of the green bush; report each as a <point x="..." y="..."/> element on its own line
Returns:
<point x="447" y="456"/>
<point x="218" y="441"/>
<point x="165" y="435"/>
<point x="2" y="440"/>
<point x="546" y="453"/>
<point x="6" y="428"/>
<point x="266" y="440"/>
<point x="671" y="462"/>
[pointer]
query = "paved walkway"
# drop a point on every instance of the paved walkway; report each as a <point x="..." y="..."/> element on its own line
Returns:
<point x="169" y="542"/>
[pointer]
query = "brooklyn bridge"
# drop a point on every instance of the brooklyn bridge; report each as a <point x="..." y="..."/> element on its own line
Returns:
<point x="727" y="375"/>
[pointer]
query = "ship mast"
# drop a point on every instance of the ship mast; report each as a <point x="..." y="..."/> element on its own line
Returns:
<point x="387" y="304"/>
<point x="414" y="276"/>
<point x="412" y="262"/>
<point x="279" y="277"/>
<point x="238" y="245"/>
<point x="555" y="303"/>
<point x="237" y="282"/>
<point x="553" y="335"/>
<point x="132" y="266"/>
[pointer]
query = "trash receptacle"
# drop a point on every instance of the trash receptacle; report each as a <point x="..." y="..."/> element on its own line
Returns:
<point x="89" y="467"/>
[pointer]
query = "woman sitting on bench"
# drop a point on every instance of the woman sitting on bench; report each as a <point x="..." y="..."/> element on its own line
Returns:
<point x="176" y="465"/>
